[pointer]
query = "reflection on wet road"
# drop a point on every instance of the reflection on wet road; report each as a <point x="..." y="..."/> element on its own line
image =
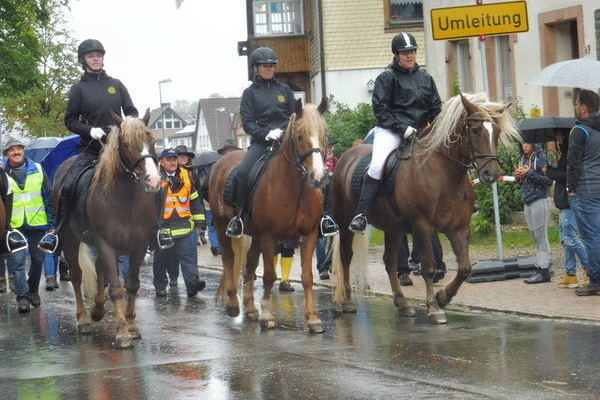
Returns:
<point x="190" y="349"/>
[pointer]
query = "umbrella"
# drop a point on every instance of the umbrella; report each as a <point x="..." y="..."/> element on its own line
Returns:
<point x="67" y="147"/>
<point x="38" y="148"/>
<point x="579" y="73"/>
<point x="542" y="129"/>
<point x="205" y="158"/>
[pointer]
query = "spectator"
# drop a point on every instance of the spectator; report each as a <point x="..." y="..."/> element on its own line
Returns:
<point x="534" y="193"/>
<point x="583" y="182"/>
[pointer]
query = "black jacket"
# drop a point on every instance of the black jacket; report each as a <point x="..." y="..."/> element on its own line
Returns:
<point x="403" y="98"/>
<point x="91" y="101"/>
<point x="559" y="175"/>
<point x="266" y="105"/>
<point x="583" y="159"/>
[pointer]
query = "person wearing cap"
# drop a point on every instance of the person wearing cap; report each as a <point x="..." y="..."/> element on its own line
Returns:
<point x="32" y="214"/>
<point x="229" y="146"/>
<point x="265" y="109"/>
<point x="182" y="212"/>
<point x="405" y="100"/>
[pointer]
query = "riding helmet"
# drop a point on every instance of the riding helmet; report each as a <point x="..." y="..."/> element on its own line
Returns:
<point x="263" y="55"/>
<point x="403" y="41"/>
<point x="87" y="46"/>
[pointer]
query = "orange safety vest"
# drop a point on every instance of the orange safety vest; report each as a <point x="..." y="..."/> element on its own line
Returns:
<point x="180" y="201"/>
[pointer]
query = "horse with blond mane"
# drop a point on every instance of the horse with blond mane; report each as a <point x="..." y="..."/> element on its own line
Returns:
<point x="431" y="194"/>
<point x="121" y="210"/>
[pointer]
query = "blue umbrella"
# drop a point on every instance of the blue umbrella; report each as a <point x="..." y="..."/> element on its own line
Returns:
<point x="38" y="148"/>
<point x="67" y="147"/>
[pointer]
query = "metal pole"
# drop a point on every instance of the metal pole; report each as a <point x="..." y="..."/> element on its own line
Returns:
<point x="217" y="123"/>
<point x="162" y="114"/>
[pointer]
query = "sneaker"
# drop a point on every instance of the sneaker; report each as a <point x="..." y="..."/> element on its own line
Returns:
<point x="216" y="251"/>
<point x="358" y="224"/>
<point x="286" y="286"/>
<point x="50" y="283"/>
<point x="541" y="275"/>
<point x="588" y="290"/>
<point x="235" y="228"/>
<point x="324" y="275"/>
<point x="195" y="287"/>
<point x="568" y="282"/>
<point x="23" y="305"/>
<point x="35" y="299"/>
<point x="405" y="280"/>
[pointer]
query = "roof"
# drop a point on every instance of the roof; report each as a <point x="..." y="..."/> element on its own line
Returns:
<point x="219" y="113"/>
<point x="158" y="112"/>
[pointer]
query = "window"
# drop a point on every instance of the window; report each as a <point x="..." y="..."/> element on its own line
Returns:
<point x="176" y="124"/>
<point x="272" y="18"/>
<point x="158" y="125"/>
<point x="504" y="68"/>
<point x="406" y="12"/>
<point x="167" y="124"/>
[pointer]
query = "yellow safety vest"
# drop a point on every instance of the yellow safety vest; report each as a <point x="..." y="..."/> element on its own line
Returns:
<point x="28" y="203"/>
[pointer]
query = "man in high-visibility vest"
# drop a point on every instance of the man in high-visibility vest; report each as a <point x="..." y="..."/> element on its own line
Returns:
<point x="183" y="211"/>
<point x="32" y="215"/>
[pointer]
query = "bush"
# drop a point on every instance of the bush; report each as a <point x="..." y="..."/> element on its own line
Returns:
<point x="348" y="124"/>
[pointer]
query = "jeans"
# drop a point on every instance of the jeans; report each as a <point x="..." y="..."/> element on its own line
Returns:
<point x="537" y="215"/>
<point x="26" y="285"/>
<point x="438" y="255"/>
<point x="212" y="230"/>
<point x="586" y="209"/>
<point x="123" y="262"/>
<point x="5" y="266"/>
<point x="323" y="262"/>
<point x="572" y="244"/>
<point x="184" y="253"/>
<point x="50" y="262"/>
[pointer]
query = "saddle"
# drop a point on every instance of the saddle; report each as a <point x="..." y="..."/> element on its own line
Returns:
<point x="386" y="187"/>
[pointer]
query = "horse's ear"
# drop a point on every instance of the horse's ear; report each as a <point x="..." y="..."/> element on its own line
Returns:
<point x="471" y="108"/>
<point x="298" y="108"/>
<point x="146" y="117"/>
<point x="323" y="105"/>
<point x="116" y="118"/>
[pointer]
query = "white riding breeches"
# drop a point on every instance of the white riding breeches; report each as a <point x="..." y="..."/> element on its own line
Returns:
<point x="384" y="143"/>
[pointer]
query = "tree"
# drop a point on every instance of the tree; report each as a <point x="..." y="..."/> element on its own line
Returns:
<point x="348" y="124"/>
<point x="187" y="109"/>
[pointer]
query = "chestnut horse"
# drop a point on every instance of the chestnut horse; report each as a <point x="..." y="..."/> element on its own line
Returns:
<point x="288" y="205"/>
<point x="431" y="194"/>
<point x="121" y="209"/>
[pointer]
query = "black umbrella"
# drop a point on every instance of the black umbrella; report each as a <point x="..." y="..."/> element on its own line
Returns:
<point x="205" y="158"/>
<point x="543" y="129"/>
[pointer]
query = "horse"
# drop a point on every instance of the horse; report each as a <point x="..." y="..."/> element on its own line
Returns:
<point x="431" y="194"/>
<point x="288" y="204"/>
<point x="121" y="210"/>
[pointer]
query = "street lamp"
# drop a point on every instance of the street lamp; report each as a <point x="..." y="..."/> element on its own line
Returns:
<point x="218" y="109"/>
<point x="168" y="80"/>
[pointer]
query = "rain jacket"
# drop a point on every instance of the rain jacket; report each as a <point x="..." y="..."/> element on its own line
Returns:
<point x="403" y="98"/>
<point x="583" y="159"/>
<point x="91" y="101"/>
<point x="183" y="206"/>
<point x="266" y="105"/>
<point x="535" y="183"/>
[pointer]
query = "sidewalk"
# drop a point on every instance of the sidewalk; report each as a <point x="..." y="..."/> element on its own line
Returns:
<point x="511" y="296"/>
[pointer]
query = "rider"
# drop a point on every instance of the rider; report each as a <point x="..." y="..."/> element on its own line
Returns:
<point x="88" y="114"/>
<point x="405" y="100"/>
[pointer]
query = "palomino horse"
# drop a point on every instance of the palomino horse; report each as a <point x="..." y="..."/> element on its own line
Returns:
<point x="431" y="194"/>
<point x="121" y="209"/>
<point x="288" y="204"/>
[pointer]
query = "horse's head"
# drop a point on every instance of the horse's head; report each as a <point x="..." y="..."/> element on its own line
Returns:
<point x="133" y="144"/>
<point x="482" y="134"/>
<point x="307" y="139"/>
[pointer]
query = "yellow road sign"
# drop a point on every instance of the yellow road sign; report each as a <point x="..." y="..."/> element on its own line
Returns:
<point x="486" y="19"/>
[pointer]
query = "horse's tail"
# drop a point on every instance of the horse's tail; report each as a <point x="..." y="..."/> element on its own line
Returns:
<point x="337" y="268"/>
<point x="360" y="261"/>
<point x="240" y="248"/>
<point x="87" y="264"/>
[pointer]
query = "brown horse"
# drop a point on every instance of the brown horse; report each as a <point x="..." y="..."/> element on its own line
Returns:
<point x="288" y="205"/>
<point x="431" y="194"/>
<point x="121" y="210"/>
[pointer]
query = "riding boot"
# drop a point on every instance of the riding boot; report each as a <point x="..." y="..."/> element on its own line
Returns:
<point x="235" y="227"/>
<point x="13" y="240"/>
<point x="328" y="225"/>
<point x="367" y="195"/>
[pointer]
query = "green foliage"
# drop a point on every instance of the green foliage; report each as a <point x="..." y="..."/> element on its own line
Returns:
<point x="517" y="111"/>
<point x="456" y="90"/>
<point x="348" y="124"/>
<point x="186" y="109"/>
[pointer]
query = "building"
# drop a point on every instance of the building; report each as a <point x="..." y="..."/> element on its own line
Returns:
<point x="218" y="120"/>
<point x="558" y="30"/>
<point x="331" y="47"/>
<point x="173" y="123"/>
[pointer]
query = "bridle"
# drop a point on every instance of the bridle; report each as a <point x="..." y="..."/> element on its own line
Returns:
<point x="130" y="169"/>
<point x="298" y="163"/>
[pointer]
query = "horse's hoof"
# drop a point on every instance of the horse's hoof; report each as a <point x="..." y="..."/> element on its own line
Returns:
<point x="84" y="329"/>
<point x="267" y="324"/>
<point x="442" y="298"/>
<point x="232" y="311"/>
<point x="315" y="327"/>
<point x="349" y="308"/>
<point x="135" y="333"/>
<point x="97" y="314"/>
<point x="252" y="315"/>
<point x="437" y="317"/>
<point x="403" y="304"/>
<point x="124" y="342"/>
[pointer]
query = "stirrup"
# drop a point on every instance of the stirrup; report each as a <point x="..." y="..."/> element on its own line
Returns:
<point x="164" y="239"/>
<point x="48" y="243"/>
<point x="359" y="224"/>
<point x="328" y="226"/>
<point x="231" y="231"/>
<point x="18" y="241"/>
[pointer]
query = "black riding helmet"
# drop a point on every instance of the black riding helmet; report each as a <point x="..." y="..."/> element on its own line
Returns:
<point x="403" y="41"/>
<point x="87" y="46"/>
<point x="263" y="55"/>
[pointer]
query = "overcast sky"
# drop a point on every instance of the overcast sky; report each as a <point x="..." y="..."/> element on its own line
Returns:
<point x="150" y="40"/>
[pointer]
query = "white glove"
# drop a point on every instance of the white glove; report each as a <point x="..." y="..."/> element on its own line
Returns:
<point x="97" y="133"/>
<point x="409" y="132"/>
<point x="274" y="134"/>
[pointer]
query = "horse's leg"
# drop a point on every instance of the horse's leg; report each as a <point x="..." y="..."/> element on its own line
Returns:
<point x="422" y="233"/>
<point x="307" y="249"/>
<point x="70" y="250"/>
<point x="266" y="319"/>
<point x="249" y="277"/>
<point x="346" y="238"/>
<point x="460" y="244"/>
<point x="98" y="310"/>
<point x="227" y="286"/>
<point x="107" y="258"/>
<point x="132" y="286"/>
<point x="390" y="259"/>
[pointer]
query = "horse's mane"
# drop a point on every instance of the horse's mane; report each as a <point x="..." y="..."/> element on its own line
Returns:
<point x="311" y="119"/>
<point x="453" y="115"/>
<point x="132" y="131"/>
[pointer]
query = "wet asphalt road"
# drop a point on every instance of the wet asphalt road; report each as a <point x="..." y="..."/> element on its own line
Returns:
<point x="191" y="350"/>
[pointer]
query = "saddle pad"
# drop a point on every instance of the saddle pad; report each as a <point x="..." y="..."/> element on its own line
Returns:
<point x="80" y="194"/>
